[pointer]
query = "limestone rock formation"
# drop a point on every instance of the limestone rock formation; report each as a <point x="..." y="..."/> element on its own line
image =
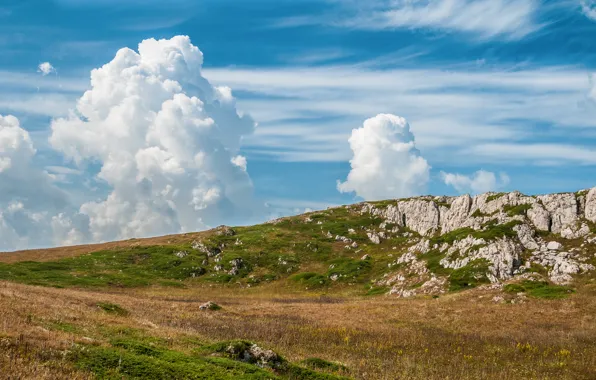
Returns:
<point x="504" y="231"/>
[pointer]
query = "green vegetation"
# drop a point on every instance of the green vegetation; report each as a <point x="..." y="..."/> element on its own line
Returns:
<point x="494" y="231"/>
<point x="452" y="236"/>
<point x="479" y="214"/>
<point x="310" y="280"/>
<point x="376" y="290"/>
<point x="540" y="289"/>
<point x="112" y="308"/>
<point x="592" y="226"/>
<point x="384" y="204"/>
<point x="493" y="197"/>
<point x="134" y="359"/>
<point x="347" y="269"/>
<point x="517" y="210"/>
<point x="469" y="276"/>
<point x="433" y="262"/>
<point x="123" y="268"/>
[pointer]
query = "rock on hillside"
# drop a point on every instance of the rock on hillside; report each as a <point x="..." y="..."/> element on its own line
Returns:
<point x="504" y="234"/>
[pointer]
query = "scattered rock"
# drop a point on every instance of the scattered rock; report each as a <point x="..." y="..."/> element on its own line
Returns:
<point x="255" y="355"/>
<point x="224" y="231"/>
<point x="210" y="306"/>
<point x="181" y="254"/>
<point x="343" y="239"/>
<point x="554" y="246"/>
<point x="375" y="238"/>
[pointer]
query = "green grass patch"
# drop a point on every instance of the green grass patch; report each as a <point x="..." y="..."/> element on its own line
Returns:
<point x="348" y="269"/>
<point x="310" y="280"/>
<point x="377" y="290"/>
<point x="540" y="289"/>
<point x="452" y="236"/>
<point x="494" y="231"/>
<point x="478" y="214"/>
<point x="433" y="263"/>
<point x="144" y="362"/>
<point x="113" y="308"/>
<point x="517" y="210"/>
<point x="63" y="326"/>
<point x="125" y="268"/>
<point x="470" y="276"/>
<point x="493" y="197"/>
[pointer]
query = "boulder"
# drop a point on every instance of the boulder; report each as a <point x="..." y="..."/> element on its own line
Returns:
<point x="590" y="207"/>
<point x="209" y="306"/>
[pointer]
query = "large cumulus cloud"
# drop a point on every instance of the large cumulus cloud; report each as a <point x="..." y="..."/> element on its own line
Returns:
<point x="386" y="163"/>
<point x="166" y="140"/>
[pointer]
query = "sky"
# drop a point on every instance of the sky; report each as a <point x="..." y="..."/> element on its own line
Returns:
<point x="131" y="118"/>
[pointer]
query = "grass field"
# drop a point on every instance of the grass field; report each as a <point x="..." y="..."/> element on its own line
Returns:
<point x="159" y="332"/>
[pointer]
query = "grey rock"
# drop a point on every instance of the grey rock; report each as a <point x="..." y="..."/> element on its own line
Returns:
<point x="590" y="207"/>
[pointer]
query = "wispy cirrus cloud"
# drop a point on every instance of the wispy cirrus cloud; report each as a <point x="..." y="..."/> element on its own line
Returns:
<point x="482" y="19"/>
<point x="307" y="114"/>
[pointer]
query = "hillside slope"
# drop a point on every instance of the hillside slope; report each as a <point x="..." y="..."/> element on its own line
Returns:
<point x="497" y="286"/>
<point x="424" y="245"/>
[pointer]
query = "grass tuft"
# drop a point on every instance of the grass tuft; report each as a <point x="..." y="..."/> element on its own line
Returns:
<point x="113" y="308"/>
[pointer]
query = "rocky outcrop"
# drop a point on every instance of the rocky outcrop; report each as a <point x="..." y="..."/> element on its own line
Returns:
<point x="503" y="230"/>
<point x="562" y="209"/>
<point x="457" y="214"/>
<point x="563" y="214"/>
<point x="590" y="206"/>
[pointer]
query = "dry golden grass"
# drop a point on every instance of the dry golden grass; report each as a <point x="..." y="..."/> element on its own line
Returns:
<point x="460" y="336"/>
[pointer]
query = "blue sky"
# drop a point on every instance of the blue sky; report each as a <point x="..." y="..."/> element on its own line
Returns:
<point x="503" y="86"/>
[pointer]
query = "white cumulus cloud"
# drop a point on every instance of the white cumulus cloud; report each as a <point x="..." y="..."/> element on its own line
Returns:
<point x="480" y="182"/>
<point x="46" y="68"/>
<point x="167" y="142"/>
<point x="385" y="163"/>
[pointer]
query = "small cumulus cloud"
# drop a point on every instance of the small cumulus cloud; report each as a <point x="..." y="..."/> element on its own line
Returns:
<point x="385" y="163"/>
<point x="46" y="68"/>
<point x="588" y="8"/>
<point x="480" y="182"/>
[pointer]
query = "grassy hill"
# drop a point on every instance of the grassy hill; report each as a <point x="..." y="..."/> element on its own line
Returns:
<point x="305" y="297"/>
